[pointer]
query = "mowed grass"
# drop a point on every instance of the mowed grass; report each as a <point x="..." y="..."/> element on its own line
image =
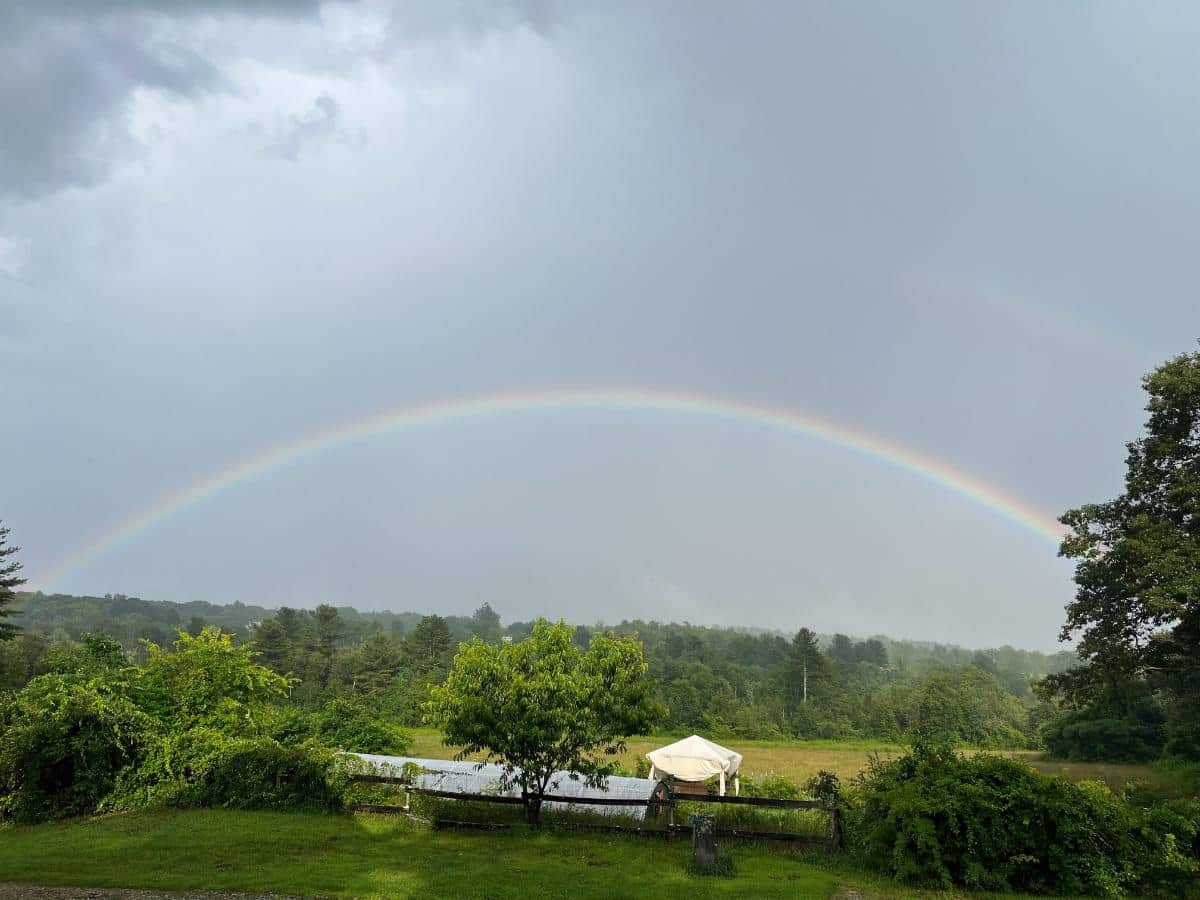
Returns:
<point x="800" y="760"/>
<point x="376" y="856"/>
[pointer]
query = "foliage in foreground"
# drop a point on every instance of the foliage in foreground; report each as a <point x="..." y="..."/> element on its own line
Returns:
<point x="936" y="817"/>
<point x="191" y="727"/>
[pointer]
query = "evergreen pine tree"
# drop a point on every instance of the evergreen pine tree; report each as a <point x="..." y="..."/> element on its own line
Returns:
<point x="9" y="581"/>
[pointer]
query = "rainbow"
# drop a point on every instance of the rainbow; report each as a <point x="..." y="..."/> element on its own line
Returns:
<point x="483" y="406"/>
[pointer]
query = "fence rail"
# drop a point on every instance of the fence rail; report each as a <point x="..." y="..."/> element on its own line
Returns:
<point x="669" y="803"/>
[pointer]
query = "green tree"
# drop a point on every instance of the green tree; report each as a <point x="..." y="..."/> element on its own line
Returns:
<point x="372" y="667"/>
<point x="807" y="669"/>
<point x="842" y="650"/>
<point x="485" y="624"/>
<point x="9" y="582"/>
<point x="872" y="651"/>
<point x="544" y="707"/>
<point x="426" y="650"/>
<point x="273" y="645"/>
<point x="93" y="656"/>
<point x="329" y="628"/>
<point x="1137" y="574"/>
<point x="207" y="681"/>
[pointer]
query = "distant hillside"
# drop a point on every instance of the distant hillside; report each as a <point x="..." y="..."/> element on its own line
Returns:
<point x="128" y="619"/>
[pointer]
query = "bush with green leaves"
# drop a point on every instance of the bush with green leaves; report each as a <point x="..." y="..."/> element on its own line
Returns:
<point x="352" y="724"/>
<point x="208" y="768"/>
<point x="1133" y="732"/>
<point x="63" y="746"/>
<point x="193" y="726"/>
<point x="940" y="818"/>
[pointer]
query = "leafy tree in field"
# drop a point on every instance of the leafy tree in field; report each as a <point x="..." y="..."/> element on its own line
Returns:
<point x="9" y="582"/>
<point x="544" y="706"/>
<point x="428" y="647"/>
<point x="1137" y="572"/>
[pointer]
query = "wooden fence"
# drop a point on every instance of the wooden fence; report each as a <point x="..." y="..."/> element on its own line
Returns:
<point x="669" y="803"/>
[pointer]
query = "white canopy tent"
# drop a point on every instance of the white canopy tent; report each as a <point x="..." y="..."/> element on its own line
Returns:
<point x="696" y="759"/>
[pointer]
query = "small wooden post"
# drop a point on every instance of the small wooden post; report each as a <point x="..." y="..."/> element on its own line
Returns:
<point x="704" y="843"/>
<point x="835" y="828"/>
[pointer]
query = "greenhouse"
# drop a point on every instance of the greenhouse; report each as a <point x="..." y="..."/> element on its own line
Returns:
<point x="466" y="777"/>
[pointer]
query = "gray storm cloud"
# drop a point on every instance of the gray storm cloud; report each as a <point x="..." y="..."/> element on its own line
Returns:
<point x="72" y="69"/>
<point x="963" y="228"/>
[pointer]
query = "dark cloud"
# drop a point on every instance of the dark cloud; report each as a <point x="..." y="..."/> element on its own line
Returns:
<point x="72" y="67"/>
<point x="70" y="71"/>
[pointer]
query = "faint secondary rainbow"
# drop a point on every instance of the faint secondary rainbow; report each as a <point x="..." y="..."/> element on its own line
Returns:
<point x="955" y="480"/>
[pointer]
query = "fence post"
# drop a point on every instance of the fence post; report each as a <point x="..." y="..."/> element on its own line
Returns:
<point x="704" y="843"/>
<point x="670" y="814"/>
<point x="835" y="828"/>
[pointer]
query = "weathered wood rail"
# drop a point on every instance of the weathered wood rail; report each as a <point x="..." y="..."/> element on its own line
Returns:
<point x="669" y="802"/>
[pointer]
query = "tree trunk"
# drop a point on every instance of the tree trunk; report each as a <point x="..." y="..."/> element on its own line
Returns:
<point x="533" y="809"/>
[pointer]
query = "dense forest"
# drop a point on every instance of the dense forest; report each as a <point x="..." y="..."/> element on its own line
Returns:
<point x="722" y="681"/>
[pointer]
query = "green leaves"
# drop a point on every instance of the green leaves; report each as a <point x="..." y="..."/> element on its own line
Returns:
<point x="1137" y="575"/>
<point x="984" y="822"/>
<point x="544" y="705"/>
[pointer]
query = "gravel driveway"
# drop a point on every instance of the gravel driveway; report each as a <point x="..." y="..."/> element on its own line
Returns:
<point x="37" y="892"/>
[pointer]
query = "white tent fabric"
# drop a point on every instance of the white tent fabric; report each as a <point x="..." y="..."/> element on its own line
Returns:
<point x="695" y="759"/>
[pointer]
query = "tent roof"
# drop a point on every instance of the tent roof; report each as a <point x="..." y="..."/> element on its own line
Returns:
<point x="695" y="759"/>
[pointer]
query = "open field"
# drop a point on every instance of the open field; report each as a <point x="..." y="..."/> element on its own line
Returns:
<point x="374" y="857"/>
<point x="799" y="760"/>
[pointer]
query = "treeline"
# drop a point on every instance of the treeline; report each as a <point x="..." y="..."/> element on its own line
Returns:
<point x="721" y="681"/>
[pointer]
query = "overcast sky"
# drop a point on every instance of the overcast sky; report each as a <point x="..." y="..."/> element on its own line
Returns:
<point x="967" y="228"/>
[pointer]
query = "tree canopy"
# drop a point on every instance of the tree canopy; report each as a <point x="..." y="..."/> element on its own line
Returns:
<point x="1137" y="602"/>
<point x="543" y="706"/>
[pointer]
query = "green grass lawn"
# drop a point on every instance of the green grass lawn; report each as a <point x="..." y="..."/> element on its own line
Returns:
<point x="377" y="856"/>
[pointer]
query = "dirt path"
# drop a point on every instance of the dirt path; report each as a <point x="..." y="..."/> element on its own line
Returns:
<point x="37" y="892"/>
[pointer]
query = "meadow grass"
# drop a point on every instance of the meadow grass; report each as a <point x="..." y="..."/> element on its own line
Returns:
<point x="800" y="760"/>
<point x="372" y="856"/>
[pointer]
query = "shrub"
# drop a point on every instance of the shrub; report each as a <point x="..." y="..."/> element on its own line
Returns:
<point x="63" y="745"/>
<point x="206" y="768"/>
<point x="985" y="822"/>
<point x="351" y="724"/>
<point x="773" y="785"/>
<point x="1104" y="733"/>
